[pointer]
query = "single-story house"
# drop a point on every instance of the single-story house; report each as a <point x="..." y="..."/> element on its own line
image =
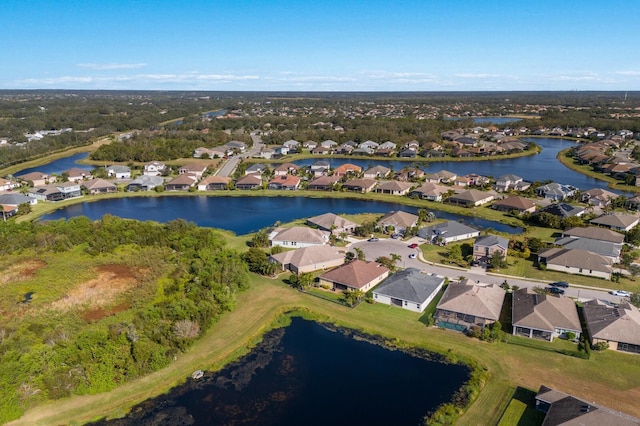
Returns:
<point x="258" y="168"/>
<point x="37" y="178"/>
<point x="430" y="191"/>
<point x="543" y="316"/>
<point x="507" y="182"/>
<point x="617" y="221"/>
<point x="487" y="246"/>
<point x="214" y="183"/>
<point x="15" y="199"/>
<point x="576" y="261"/>
<point x="8" y="210"/>
<point x="595" y="233"/>
<point x="181" y="183"/>
<point x="617" y="325"/>
<point x="393" y="187"/>
<point x="8" y="185"/>
<point x="376" y="172"/>
<point x="563" y="409"/>
<point x="466" y="304"/>
<point x="447" y="232"/>
<point x="285" y="169"/>
<point x="556" y="191"/>
<point x="333" y="223"/>
<point x="145" y="183"/>
<point x="409" y="289"/>
<point x="323" y="183"/>
<point x="99" y="186"/>
<point x="443" y="176"/>
<point x="196" y="169"/>
<point x="562" y="210"/>
<point x="470" y="198"/>
<point x="360" y="185"/>
<point x="76" y="174"/>
<point x="309" y="259"/>
<point x="598" y="197"/>
<point x="399" y="220"/>
<point x="346" y="168"/>
<point x="250" y="181"/>
<point x="284" y="182"/>
<point x="515" y="203"/>
<point x="603" y="248"/>
<point x="355" y="275"/>
<point x="119" y="172"/>
<point x="298" y="236"/>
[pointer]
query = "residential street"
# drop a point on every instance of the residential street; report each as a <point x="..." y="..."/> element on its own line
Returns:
<point x="384" y="247"/>
<point x="230" y="164"/>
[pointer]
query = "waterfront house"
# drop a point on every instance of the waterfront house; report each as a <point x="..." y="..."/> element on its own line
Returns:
<point x="408" y="153"/>
<point x="298" y="236"/>
<point x="470" y="198"/>
<point x="376" y="172"/>
<point x="556" y="191"/>
<point x="154" y="168"/>
<point x="321" y="150"/>
<point x="598" y="197"/>
<point x="320" y="168"/>
<point x="196" y="169"/>
<point x="467" y="304"/>
<point x="443" y="176"/>
<point x="323" y="183"/>
<point x="576" y="261"/>
<point x="333" y="223"/>
<point x="99" y="186"/>
<point x="507" y="182"/>
<point x="515" y="203"/>
<point x="181" y="183"/>
<point x="249" y="181"/>
<point x="347" y="168"/>
<point x="409" y="289"/>
<point x="447" y="232"/>
<point x="308" y="259"/>
<point x="543" y="316"/>
<point x="285" y="182"/>
<point x="119" y="172"/>
<point x="393" y="187"/>
<point x="617" y="325"/>
<point x="369" y="144"/>
<point x="329" y="144"/>
<point x="616" y="221"/>
<point x="430" y="191"/>
<point x="144" y="183"/>
<point x="398" y="220"/>
<point x="285" y="169"/>
<point x="408" y="173"/>
<point x="214" y="183"/>
<point x="8" y="210"/>
<point x="355" y="275"/>
<point x="76" y="174"/>
<point x="487" y="246"/>
<point x="37" y="178"/>
<point x="360" y="185"/>
<point x="55" y="192"/>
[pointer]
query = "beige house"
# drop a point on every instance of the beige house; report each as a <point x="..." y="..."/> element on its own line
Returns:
<point x="470" y="198"/>
<point x="37" y="178"/>
<point x="576" y="261"/>
<point x="399" y="220"/>
<point x="486" y="246"/>
<point x="211" y="183"/>
<point x="355" y="275"/>
<point x="196" y="169"/>
<point x="309" y="259"/>
<point x="394" y="187"/>
<point x="594" y="233"/>
<point x="515" y="203"/>
<point x="466" y="304"/>
<point x="619" y="326"/>
<point x="333" y="223"/>
<point x="543" y="316"/>
<point x="99" y="186"/>
<point x="617" y="221"/>
<point x="430" y="191"/>
<point x="360" y="185"/>
<point x="298" y="236"/>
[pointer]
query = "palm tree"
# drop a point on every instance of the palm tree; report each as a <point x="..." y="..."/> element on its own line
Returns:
<point x="395" y="257"/>
<point x="359" y="253"/>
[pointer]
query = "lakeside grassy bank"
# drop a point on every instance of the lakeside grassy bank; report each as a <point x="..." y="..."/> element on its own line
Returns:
<point x="612" y="379"/>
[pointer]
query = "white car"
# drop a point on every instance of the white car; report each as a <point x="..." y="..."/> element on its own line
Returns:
<point x="621" y="293"/>
<point x="412" y="256"/>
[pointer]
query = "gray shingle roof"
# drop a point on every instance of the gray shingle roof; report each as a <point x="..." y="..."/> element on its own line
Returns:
<point x="410" y="284"/>
<point x="449" y="228"/>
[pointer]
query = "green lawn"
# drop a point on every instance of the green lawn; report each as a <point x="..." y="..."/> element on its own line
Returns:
<point x="521" y="410"/>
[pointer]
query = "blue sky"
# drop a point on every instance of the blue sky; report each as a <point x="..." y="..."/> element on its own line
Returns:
<point x="411" y="45"/>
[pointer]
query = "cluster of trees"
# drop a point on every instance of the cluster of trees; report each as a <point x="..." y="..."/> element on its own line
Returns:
<point x="48" y="357"/>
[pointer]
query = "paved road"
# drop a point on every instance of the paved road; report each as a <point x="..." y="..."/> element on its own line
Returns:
<point x="230" y="164"/>
<point x="384" y="247"/>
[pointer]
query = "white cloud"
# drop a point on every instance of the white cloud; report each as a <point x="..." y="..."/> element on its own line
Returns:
<point x="479" y="76"/>
<point x="629" y="73"/>
<point x="111" y="66"/>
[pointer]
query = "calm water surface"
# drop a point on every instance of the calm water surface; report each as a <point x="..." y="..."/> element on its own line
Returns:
<point x="60" y="165"/>
<point x="308" y="375"/>
<point x="243" y="215"/>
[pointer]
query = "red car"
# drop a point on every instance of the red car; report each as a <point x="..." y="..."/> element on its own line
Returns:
<point x="414" y="245"/>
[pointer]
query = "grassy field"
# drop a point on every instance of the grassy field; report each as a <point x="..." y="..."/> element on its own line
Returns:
<point x="612" y="379"/>
<point x="587" y="170"/>
<point x="521" y="410"/>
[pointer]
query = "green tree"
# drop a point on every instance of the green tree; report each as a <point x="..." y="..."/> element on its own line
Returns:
<point x="359" y="253"/>
<point x="455" y="253"/>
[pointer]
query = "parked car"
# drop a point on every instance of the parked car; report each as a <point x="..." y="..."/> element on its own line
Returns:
<point x="562" y="284"/>
<point x="373" y="240"/>
<point x="621" y="293"/>
<point x="412" y="256"/>
<point x="414" y="245"/>
<point x="554" y="290"/>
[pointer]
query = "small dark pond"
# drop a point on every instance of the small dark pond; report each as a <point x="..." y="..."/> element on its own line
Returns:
<point x="243" y="215"/>
<point x="306" y="374"/>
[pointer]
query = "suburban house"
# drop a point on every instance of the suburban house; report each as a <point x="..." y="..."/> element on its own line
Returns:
<point x="345" y="169"/>
<point x="604" y="248"/>
<point x="515" y="203"/>
<point x="8" y="185"/>
<point x="470" y="198"/>
<point x="466" y="304"/>
<point x="329" y="144"/>
<point x="409" y="289"/>
<point x="320" y="168"/>
<point x="257" y="168"/>
<point x="145" y="183"/>
<point x="14" y="199"/>
<point x="355" y="275"/>
<point x="323" y="183"/>
<point x="447" y="232"/>
<point x="309" y="259"/>
<point x="617" y="325"/>
<point x="398" y="220"/>
<point x="298" y="236"/>
<point x="310" y="144"/>
<point x="236" y="145"/>
<point x="507" y="182"/>
<point x="360" y="185"/>
<point x="443" y="176"/>
<point x="430" y="191"/>
<point x="562" y="210"/>
<point x="292" y="144"/>
<point x="284" y="182"/>
<point x="250" y="181"/>
<point x="99" y="186"/>
<point x="543" y="316"/>
<point x="37" y="178"/>
<point x="285" y="169"/>
<point x="321" y="150"/>
<point x="76" y="174"/>
<point x="408" y="173"/>
<point x="8" y="210"/>
<point x="594" y="233"/>
<point x="487" y="246"/>
<point x="154" y="168"/>
<point x="393" y="187"/>
<point x="55" y="192"/>
<point x="563" y="409"/>
<point x="181" y="183"/>
<point x="598" y="197"/>
<point x="214" y="183"/>
<point x="333" y="223"/>
<point x="617" y="221"/>
<point x="377" y="172"/>
<point x="196" y="169"/>
<point x="576" y="261"/>
<point x="556" y="191"/>
<point x="119" y="172"/>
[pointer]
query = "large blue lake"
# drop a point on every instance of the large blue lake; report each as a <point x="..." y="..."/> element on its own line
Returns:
<point x="60" y="165"/>
<point x="243" y="215"/>
<point x="306" y="374"/>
